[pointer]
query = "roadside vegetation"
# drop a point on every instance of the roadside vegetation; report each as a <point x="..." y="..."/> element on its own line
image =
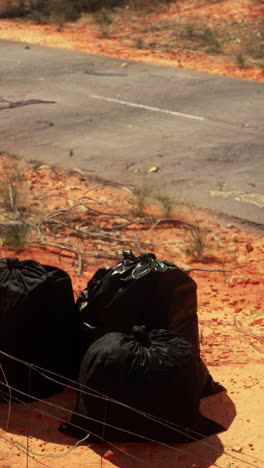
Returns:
<point x="161" y="25"/>
<point x="81" y="220"/>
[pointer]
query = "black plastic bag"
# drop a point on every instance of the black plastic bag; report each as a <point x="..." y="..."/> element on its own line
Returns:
<point x="38" y="324"/>
<point x="153" y="372"/>
<point x="144" y="290"/>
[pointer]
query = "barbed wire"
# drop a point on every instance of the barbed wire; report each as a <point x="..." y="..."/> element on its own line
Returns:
<point x="39" y="411"/>
<point x="144" y="438"/>
<point x="96" y="394"/>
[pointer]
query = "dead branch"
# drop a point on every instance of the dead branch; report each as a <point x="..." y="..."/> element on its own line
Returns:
<point x="189" y="269"/>
<point x="101" y="254"/>
<point x="176" y="221"/>
<point x="63" y="247"/>
<point x="8" y="224"/>
<point x="256" y="347"/>
<point x="238" y="326"/>
<point x="156" y="222"/>
<point x="77" y="252"/>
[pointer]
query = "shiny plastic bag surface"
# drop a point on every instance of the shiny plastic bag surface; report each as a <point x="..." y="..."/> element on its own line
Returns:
<point x="144" y="291"/>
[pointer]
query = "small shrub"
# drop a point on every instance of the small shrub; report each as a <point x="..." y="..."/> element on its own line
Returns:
<point x="142" y="194"/>
<point x="167" y="202"/>
<point x="209" y="38"/>
<point x="190" y="30"/>
<point x="241" y="59"/>
<point x="140" y="43"/>
<point x="95" y="5"/>
<point x="257" y="51"/>
<point x="16" y="235"/>
<point x="17" y="172"/>
<point x="57" y="11"/>
<point x="103" y="16"/>
<point x="11" y="195"/>
<point x="106" y="30"/>
<point x="149" y="5"/>
<point x="14" y="187"/>
<point x="197" y="243"/>
<point x="104" y="20"/>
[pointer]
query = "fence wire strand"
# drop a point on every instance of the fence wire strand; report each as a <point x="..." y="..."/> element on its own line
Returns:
<point x="96" y="394"/>
<point x="14" y="444"/>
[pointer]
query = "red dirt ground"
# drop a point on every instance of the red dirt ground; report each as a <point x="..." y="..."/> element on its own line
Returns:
<point x="231" y="313"/>
<point x="245" y="17"/>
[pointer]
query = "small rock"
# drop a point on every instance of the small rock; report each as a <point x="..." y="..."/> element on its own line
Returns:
<point x="109" y="454"/>
<point x="237" y="448"/>
<point x="123" y="448"/>
<point x="230" y="226"/>
<point x="241" y="259"/>
<point x="233" y="303"/>
<point x="249" y="247"/>
<point x="255" y="282"/>
<point x="153" y="169"/>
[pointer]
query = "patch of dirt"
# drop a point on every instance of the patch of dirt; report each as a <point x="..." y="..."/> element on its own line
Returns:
<point x="223" y="37"/>
<point x="80" y="226"/>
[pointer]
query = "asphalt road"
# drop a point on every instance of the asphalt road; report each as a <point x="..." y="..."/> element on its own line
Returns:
<point x="117" y="119"/>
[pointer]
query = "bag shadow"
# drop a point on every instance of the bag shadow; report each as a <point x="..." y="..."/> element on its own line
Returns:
<point x="41" y="421"/>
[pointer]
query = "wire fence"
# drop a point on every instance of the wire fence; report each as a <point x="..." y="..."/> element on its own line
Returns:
<point x="13" y="399"/>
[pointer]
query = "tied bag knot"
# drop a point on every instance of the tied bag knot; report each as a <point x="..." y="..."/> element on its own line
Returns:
<point x="139" y="333"/>
<point x="12" y="263"/>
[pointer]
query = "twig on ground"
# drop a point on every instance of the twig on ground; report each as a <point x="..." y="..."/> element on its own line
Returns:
<point x="138" y="244"/>
<point x="101" y="254"/>
<point x="150" y="220"/>
<point x="238" y="326"/>
<point x="256" y="347"/>
<point x="176" y="221"/>
<point x="188" y="269"/>
<point x="77" y="252"/>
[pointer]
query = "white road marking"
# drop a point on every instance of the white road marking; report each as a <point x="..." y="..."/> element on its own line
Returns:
<point x="142" y="106"/>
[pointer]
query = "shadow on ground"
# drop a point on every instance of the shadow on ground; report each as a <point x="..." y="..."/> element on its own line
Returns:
<point x="27" y="419"/>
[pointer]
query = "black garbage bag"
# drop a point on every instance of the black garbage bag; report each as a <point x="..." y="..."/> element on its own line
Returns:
<point x="129" y="375"/>
<point x="144" y="290"/>
<point x="39" y="324"/>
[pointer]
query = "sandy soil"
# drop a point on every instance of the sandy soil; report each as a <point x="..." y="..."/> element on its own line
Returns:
<point x="231" y="316"/>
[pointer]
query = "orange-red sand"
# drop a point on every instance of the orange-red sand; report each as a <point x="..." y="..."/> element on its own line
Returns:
<point x="231" y="332"/>
<point x="87" y="36"/>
